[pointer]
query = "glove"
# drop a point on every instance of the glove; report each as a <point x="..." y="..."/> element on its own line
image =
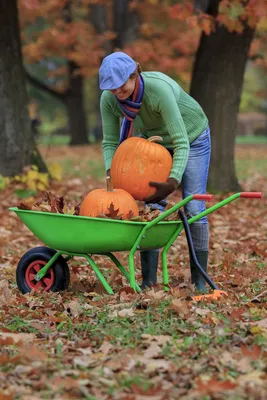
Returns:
<point x="162" y="190"/>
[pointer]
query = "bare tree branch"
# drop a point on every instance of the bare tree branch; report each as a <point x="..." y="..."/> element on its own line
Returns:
<point x="256" y="299"/>
<point x="42" y="86"/>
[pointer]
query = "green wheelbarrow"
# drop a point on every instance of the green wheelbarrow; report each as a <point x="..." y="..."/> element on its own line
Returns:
<point x="67" y="236"/>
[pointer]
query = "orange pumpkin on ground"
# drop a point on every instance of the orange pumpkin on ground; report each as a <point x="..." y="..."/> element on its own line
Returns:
<point x="99" y="201"/>
<point x="137" y="162"/>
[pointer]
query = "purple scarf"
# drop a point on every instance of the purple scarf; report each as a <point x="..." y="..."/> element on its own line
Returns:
<point x="130" y="108"/>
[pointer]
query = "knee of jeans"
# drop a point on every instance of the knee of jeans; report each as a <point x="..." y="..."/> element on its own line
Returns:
<point x="195" y="207"/>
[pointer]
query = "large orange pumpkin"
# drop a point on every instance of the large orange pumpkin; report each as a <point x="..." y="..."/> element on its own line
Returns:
<point x="138" y="161"/>
<point x="99" y="201"/>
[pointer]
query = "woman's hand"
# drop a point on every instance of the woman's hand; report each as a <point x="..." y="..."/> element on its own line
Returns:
<point x="162" y="190"/>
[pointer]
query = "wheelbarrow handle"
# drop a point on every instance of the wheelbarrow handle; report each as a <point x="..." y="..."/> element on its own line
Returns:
<point x="165" y="214"/>
<point x="176" y="207"/>
<point x="251" y="195"/>
<point x="248" y="195"/>
<point x="205" y="197"/>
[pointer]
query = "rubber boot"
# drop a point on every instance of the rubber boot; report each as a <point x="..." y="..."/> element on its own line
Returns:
<point x="149" y="266"/>
<point x="196" y="278"/>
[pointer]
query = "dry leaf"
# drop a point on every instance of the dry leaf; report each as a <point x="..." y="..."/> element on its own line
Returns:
<point x="48" y="202"/>
<point x="180" y="307"/>
<point x="214" y="386"/>
<point x="127" y="312"/>
<point x="15" y="338"/>
<point x="113" y="214"/>
<point x="83" y="361"/>
<point x="152" y="351"/>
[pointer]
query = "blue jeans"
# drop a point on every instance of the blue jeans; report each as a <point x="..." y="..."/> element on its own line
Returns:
<point x="194" y="181"/>
<point x="195" y="175"/>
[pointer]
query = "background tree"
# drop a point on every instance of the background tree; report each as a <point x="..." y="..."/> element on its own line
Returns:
<point x="125" y="27"/>
<point x="228" y="29"/>
<point x="17" y="144"/>
<point x="165" y="35"/>
<point x="62" y="40"/>
<point x="74" y="37"/>
<point x="217" y="82"/>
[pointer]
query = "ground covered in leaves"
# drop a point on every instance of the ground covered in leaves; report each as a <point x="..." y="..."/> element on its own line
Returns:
<point x="84" y="344"/>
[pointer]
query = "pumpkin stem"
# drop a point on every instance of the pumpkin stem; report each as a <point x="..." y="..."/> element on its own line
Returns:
<point x="109" y="184"/>
<point x="155" y="139"/>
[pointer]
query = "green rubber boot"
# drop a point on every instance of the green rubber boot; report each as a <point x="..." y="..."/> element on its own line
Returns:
<point x="196" y="278"/>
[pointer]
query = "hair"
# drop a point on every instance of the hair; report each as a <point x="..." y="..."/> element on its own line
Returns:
<point x="136" y="72"/>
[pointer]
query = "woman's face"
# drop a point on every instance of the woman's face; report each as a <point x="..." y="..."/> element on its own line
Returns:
<point x="125" y="90"/>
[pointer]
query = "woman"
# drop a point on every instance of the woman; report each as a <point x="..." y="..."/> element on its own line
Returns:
<point x="156" y="105"/>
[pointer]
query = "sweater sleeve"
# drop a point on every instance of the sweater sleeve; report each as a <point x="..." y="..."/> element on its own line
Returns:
<point x="169" y="110"/>
<point x="111" y="128"/>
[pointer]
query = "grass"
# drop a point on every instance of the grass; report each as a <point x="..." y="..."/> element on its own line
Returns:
<point x="127" y="333"/>
<point x="251" y="139"/>
<point x="58" y="140"/>
<point x="93" y="165"/>
<point x="96" y="168"/>
<point x="192" y="343"/>
<point x="55" y="140"/>
<point x="246" y="167"/>
<point x="64" y="140"/>
<point x="198" y="344"/>
<point x="18" y="324"/>
<point x="122" y="331"/>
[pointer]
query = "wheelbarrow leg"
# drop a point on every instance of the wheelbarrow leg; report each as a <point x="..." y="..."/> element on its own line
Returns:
<point x="122" y="269"/>
<point x="99" y="274"/>
<point x="131" y="269"/>
<point x="165" y="272"/>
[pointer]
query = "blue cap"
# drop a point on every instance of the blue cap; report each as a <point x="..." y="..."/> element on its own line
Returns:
<point x="115" y="70"/>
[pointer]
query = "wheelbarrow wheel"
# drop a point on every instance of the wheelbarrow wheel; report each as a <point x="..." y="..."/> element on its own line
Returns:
<point x="56" y="279"/>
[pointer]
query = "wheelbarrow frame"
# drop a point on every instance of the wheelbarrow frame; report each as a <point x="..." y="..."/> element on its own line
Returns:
<point x="137" y="245"/>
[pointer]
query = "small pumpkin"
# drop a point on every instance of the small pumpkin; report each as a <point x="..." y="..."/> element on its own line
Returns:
<point x="138" y="161"/>
<point x="99" y="201"/>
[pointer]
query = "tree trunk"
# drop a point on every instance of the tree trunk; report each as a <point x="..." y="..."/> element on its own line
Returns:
<point x="73" y="101"/>
<point x="75" y="107"/>
<point x="98" y="17"/>
<point x="125" y="25"/>
<point x="217" y="85"/>
<point x="17" y="144"/>
<point x="75" y="98"/>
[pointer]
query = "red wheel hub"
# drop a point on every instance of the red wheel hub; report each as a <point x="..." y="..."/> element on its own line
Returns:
<point x="45" y="283"/>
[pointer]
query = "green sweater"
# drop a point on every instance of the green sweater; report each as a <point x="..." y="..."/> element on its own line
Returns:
<point x="166" y="111"/>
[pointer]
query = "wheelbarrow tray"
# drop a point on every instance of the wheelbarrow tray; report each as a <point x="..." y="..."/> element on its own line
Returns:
<point x="77" y="234"/>
<point x="68" y="235"/>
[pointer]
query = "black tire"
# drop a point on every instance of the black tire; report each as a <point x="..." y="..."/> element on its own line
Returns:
<point x="58" y="275"/>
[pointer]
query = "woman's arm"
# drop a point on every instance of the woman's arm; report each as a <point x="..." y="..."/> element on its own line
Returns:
<point x="169" y="110"/>
<point x="111" y="128"/>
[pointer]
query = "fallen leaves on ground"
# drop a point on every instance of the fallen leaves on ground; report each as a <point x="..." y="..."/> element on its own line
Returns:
<point x="82" y="344"/>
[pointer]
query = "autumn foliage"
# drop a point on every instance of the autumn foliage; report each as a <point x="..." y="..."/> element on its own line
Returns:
<point x="84" y="344"/>
<point x="168" y="34"/>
